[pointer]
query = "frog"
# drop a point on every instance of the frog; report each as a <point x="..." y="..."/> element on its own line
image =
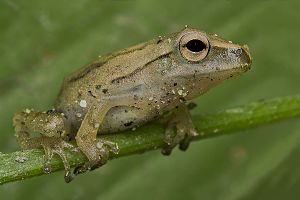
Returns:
<point x="128" y="89"/>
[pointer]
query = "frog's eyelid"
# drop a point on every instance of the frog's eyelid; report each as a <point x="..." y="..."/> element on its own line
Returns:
<point x="194" y="46"/>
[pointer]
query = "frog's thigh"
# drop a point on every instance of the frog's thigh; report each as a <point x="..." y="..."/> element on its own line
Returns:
<point x="49" y="125"/>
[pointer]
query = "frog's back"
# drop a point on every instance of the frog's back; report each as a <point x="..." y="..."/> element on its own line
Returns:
<point x="106" y="74"/>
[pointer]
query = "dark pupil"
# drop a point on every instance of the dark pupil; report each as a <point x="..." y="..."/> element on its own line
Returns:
<point x="195" y="45"/>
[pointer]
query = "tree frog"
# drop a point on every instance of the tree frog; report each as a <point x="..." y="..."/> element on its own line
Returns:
<point x="129" y="88"/>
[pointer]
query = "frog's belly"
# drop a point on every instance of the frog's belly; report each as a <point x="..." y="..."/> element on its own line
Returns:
<point x="122" y="118"/>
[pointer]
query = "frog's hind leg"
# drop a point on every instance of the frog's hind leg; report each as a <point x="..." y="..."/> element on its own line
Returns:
<point x="52" y="127"/>
<point x="96" y="150"/>
<point x="180" y="130"/>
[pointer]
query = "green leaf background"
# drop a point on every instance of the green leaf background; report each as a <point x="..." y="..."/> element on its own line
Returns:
<point x="42" y="41"/>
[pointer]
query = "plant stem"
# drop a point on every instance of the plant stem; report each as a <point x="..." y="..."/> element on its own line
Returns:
<point x="24" y="164"/>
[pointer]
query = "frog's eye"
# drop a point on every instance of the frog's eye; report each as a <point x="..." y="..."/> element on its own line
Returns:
<point x="194" y="46"/>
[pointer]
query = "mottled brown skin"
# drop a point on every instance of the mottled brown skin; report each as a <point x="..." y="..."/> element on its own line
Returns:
<point x="129" y="88"/>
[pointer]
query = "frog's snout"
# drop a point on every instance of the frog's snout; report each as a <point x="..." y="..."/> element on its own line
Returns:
<point x="246" y="47"/>
<point x="246" y="57"/>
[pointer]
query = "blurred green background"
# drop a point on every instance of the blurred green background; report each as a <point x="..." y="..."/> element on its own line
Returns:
<point x="42" y="41"/>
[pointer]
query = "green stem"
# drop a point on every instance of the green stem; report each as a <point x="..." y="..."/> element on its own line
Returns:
<point x="24" y="164"/>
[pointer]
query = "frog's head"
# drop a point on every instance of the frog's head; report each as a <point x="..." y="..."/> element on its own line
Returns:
<point x="207" y="59"/>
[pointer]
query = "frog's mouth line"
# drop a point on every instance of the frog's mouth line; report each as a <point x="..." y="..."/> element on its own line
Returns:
<point x="228" y="73"/>
<point x="217" y="75"/>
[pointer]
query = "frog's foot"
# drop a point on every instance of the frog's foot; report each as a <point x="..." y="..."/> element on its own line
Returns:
<point x="52" y="126"/>
<point x="179" y="131"/>
<point x="97" y="153"/>
<point x="53" y="145"/>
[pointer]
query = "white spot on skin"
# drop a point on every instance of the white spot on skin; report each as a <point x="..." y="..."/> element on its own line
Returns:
<point x="27" y="110"/>
<point x="150" y="98"/>
<point x="78" y="115"/>
<point x="51" y="125"/>
<point x="180" y="92"/>
<point x="163" y="72"/>
<point x="97" y="125"/>
<point x="83" y="103"/>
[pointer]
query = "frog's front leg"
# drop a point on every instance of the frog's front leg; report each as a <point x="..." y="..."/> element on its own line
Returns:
<point x="52" y="127"/>
<point x="180" y="130"/>
<point x="96" y="150"/>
